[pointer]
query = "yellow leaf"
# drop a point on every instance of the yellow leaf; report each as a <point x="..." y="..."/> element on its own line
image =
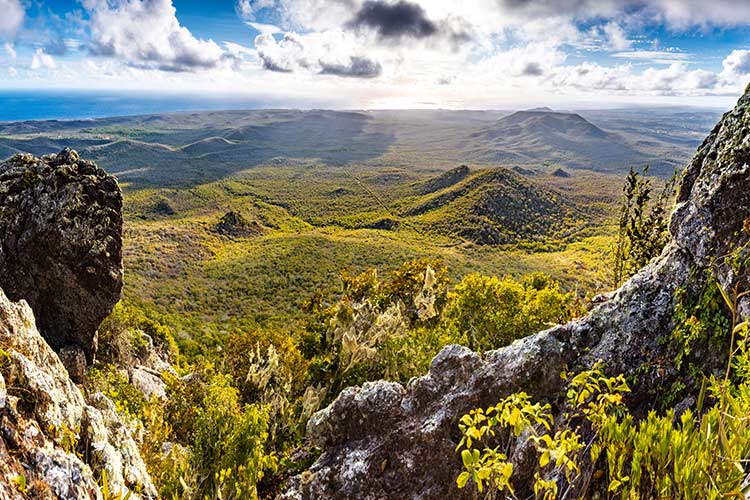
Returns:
<point x="463" y="478"/>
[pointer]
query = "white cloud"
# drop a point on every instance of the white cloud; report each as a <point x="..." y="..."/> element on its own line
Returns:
<point x="674" y="78"/>
<point x="284" y="56"/>
<point x="42" y="60"/>
<point x="146" y="33"/>
<point x="654" y="56"/>
<point x="13" y="72"/>
<point x="247" y="9"/>
<point x="265" y="29"/>
<point x="240" y="51"/>
<point x="10" y="51"/>
<point x="532" y="60"/>
<point x="616" y="37"/>
<point x="12" y="17"/>
<point x="328" y="53"/>
<point x="682" y="14"/>
<point x="737" y="63"/>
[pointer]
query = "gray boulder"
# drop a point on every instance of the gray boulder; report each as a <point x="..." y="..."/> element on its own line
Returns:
<point x="385" y="441"/>
<point x="49" y="433"/>
<point x="61" y="244"/>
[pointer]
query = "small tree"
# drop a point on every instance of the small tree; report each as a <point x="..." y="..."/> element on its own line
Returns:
<point x="642" y="231"/>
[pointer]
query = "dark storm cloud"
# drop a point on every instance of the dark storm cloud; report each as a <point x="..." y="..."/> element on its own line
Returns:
<point x="358" y="67"/>
<point x="394" y="20"/>
<point x="532" y="69"/>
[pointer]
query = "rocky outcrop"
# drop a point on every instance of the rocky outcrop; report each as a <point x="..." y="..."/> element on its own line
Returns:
<point x="383" y="440"/>
<point x="61" y="245"/>
<point x="53" y="443"/>
<point x="60" y="263"/>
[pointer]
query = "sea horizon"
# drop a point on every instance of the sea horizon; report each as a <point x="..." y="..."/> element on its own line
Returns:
<point x="22" y="105"/>
<point x="43" y="104"/>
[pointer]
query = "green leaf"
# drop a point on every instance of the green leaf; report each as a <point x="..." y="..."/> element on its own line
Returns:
<point x="701" y="395"/>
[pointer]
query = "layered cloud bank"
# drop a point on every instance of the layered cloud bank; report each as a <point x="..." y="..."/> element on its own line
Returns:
<point x="394" y="52"/>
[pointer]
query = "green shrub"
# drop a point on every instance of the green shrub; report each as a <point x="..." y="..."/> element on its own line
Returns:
<point x="114" y="384"/>
<point x="643" y="225"/>
<point x="228" y="455"/>
<point x="489" y="312"/>
<point x="121" y="335"/>
<point x="268" y="369"/>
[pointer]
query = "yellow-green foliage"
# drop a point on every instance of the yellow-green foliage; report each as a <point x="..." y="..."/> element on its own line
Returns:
<point x="168" y="466"/>
<point x="591" y="396"/>
<point x="393" y="328"/>
<point x="268" y="368"/>
<point x="228" y="456"/>
<point x="121" y="335"/>
<point x="360" y="337"/>
<point x="114" y="383"/>
<point x="643" y="224"/>
<point x="699" y="321"/>
<point x="490" y="312"/>
<point x="218" y="444"/>
<point x="701" y="455"/>
<point x="109" y="494"/>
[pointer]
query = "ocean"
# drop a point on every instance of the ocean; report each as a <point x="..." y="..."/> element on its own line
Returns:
<point x="18" y="105"/>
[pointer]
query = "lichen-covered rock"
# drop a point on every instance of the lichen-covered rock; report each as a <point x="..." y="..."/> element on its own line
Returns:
<point x="386" y="441"/>
<point x="61" y="244"/>
<point x="115" y="450"/>
<point x="149" y="382"/>
<point x="49" y="434"/>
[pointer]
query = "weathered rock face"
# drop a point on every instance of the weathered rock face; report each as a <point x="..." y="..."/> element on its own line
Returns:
<point x="383" y="440"/>
<point x="49" y="434"/>
<point x="61" y="245"/>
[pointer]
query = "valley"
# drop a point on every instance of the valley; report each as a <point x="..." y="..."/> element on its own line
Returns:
<point x="492" y="192"/>
<point x="273" y="260"/>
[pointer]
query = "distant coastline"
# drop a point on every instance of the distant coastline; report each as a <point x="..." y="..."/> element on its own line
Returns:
<point x="17" y="105"/>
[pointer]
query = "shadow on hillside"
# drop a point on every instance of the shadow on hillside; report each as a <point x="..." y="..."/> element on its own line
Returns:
<point x="187" y="149"/>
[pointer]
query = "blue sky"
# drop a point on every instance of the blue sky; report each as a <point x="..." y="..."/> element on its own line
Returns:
<point x="386" y="53"/>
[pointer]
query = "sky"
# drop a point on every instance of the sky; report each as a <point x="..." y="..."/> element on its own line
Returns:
<point x="386" y="53"/>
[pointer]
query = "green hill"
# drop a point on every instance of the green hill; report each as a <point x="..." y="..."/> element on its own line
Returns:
<point x="498" y="206"/>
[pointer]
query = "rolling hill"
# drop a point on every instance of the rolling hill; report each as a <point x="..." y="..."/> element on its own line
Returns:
<point x="547" y="136"/>
<point x="187" y="149"/>
<point x="497" y="207"/>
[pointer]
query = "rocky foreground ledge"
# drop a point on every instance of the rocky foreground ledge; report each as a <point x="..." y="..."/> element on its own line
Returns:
<point x="383" y="440"/>
<point x="60" y="269"/>
<point x="50" y="435"/>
